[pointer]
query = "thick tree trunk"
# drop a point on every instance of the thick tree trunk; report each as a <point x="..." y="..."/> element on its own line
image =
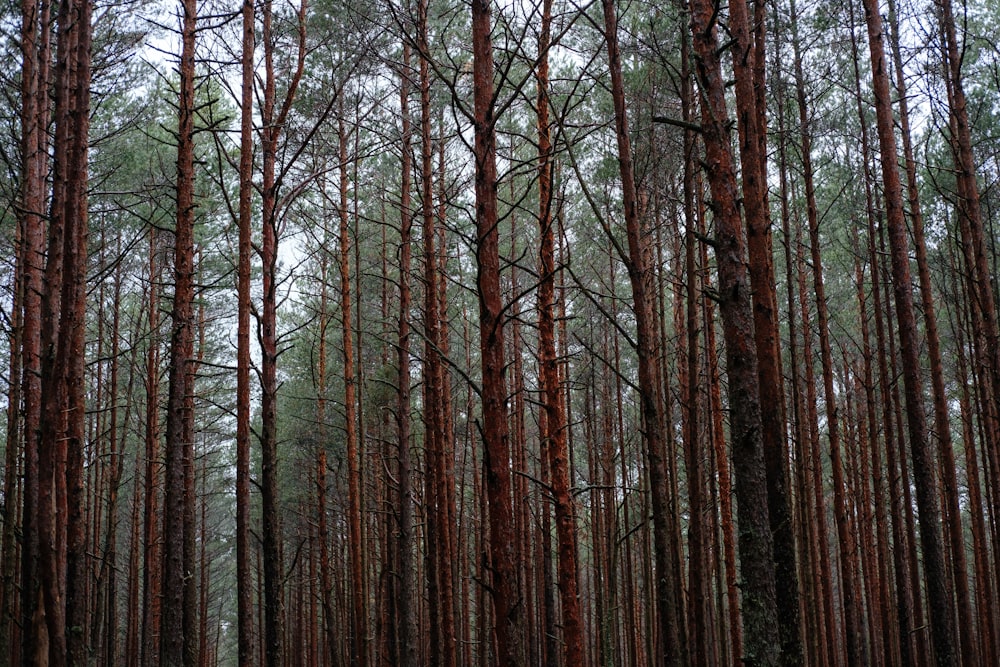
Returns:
<point x="178" y="610"/>
<point x="508" y="601"/>
<point x="760" y="616"/>
<point x="60" y="519"/>
<point x="748" y="71"/>
<point x="36" y="53"/>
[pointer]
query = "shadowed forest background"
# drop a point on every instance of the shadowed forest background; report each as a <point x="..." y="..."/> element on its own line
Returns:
<point x="472" y="333"/>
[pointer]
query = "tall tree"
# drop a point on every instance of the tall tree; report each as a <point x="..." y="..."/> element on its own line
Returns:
<point x="178" y="644"/>
<point x="751" y="105"/>
<point x="508" y="601"/>
<point x="60" y="501"/>
<point x="35" y="113"/>
<point x="553" y="428"/>
<point x="273" y="119"/>
<point x="244" y="582"/>
<point x="755" y="543"/>
<point x="668" y="596"/>
<point x="939" y="596"/>
<point x="407" y="566"/>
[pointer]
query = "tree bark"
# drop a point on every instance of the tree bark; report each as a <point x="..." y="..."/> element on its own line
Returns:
<point x="940" y="602"/>
<point x="552" y="432"/>
<point x="60" y="521"/>
<point x="508" y="601"/>
<point x="178" y="610"/>
<point x="760" y="618"/>
<point x="244" y="581"/>
<point x="36" y="53"/>
<point x="406" y="604"/>
<point x="751" y="105"/>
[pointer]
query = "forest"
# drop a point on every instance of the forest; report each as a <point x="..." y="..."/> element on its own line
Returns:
<point x="549" y="332"/>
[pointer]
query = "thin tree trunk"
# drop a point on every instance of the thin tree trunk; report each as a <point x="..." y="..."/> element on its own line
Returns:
<point x="668" y="598"/>
<point x="698" y="564"/>
<point x="553" y="435"/>
<point x="152" y="543"/>
<point x="857" y="653"/>
<point x="272" y="121"/>
<point x="359" y="623"/>
<point x="244" y="580"/>
<point x="406" y="604"/>
<point x="969" y="649"/>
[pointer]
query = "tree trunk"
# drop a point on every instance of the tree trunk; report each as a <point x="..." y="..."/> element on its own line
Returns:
<point x="178" y="610"/>
<point x="272" y="121"/>
<point x="508" y="601"/>
<point x="940" y="603"/>
<point x="244" y="580"/>
<point x="406" y="604"/>
<point x="760" y="616"/>
<point x="668" y="599"/>
<point x="553" y="435"/>
<point x="152" y="523"/>
<point x="359" y="617"/>
<point x="60" y="520"/>
<point x="36" y="53"/>
<point x="748" y="70"/>
<point x="969" y="649"/>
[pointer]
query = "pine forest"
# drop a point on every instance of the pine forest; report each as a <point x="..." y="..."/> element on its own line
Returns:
<point x="603" y="333"/>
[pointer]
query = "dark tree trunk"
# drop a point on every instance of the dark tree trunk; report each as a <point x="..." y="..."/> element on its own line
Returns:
<point x="244" y="580"/>
<point x="178" y="610"/>
<point x="748" y="70"/>
<point x="406" y="604"/>
<point x="760" y="616"/>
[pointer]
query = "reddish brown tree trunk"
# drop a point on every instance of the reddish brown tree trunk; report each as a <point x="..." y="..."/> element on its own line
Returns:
<point x="508" y="601"/>
<point x="940" y="602"/>
<point x="553" y="435"/>
<point x="177" y="643"/>
<point x="359" y="622"/>
<point x="35" y="41"/>
<point x="856" y="649"/>
<point x="60" y="520"/>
